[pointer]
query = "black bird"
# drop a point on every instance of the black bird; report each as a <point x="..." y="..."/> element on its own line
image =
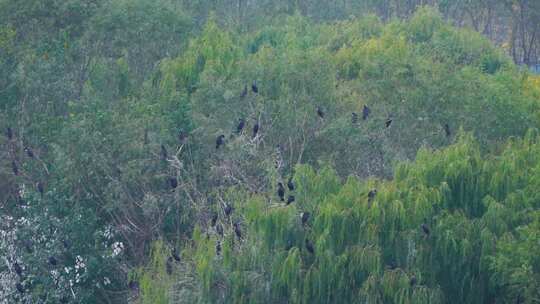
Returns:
<point x="425" y="229"/>
<point x="214" y="219"/>
<point x="52" y="260"/>
<point x="388" y="122"/>
<point x="305" y="217"/>
<point x="371" y="195"/>
<point x="290" y="199"/>
<point x="133" y="285"/>
<point x="237" y="230"/>
<point x="67" y="244"/>
<point x="228" y="209"/>
<point x="281" y="192"/>
<point x="244" y="92"/>
<point x="218" y="248"/>
<point x="175" y="255"/>
<point x="15" y="168"/>
<point x="163" y="152"/>
<point x="309" y="247"/>
<point x="413" y="281"/>
<point x="40" y="188"/>
<point x="365" y="112"/>
<point x="17" y="268"/>
<point x="320" y="112"/>
<point x="354" y="118"/>
<point x="255" y="129"/>
<point x="173" y="182"/>
<point x="29" y="152"/>
<point x="20" y="287"/>
<point x="220" y="141"/>
<point x="9" y="133"/>
<point x="254" y="88"/>
<point x="447" y="130"/>
<point x="290" y="184"/>
<point x="219" y="230"/>
<point x="241" y="124"/>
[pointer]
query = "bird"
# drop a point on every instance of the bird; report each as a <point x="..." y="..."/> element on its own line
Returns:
<point x="15" y="168"/>
<point x="425" y="229"/>
<point x="17" y="268"/>
<point x="320" y="112"/>
<point x="447" y="130"/>
<point x="290" y="184"/>
<point x="9" y="133"/>
<point x="173" y="182"/>
<point x="228" y="210"/>
<point x="354" y="117"/>
<point x="237" y="230"/>
<point x="413" y="281"/>
<point x="255" y="129"/>
<point x="388" y="122"/>
<point x="175" y="255"/>
<point x="254" y="87"/>
<point x="220" y="141"/>
<point x="365" y="112"/>
<point x="244" y="92"/>
<point x="371" y="195"/>
<point x="241" y="124"/>
<point x="163" y="152"/>
<point x="133" y="285"/>
<point x="219" y="229"/>
<point x="20" y="287"/>
<point x="281" y="192"/>
<point x="214" y="219"/>
<point x="52" y="260"/>
<point x="218" y="248"/>
<point x="40" y="188"/>
<point x="290" y="199"/>
<point x="305" y="217"/>
<point x="309" y="247"/>
<point x="29" y="152"/>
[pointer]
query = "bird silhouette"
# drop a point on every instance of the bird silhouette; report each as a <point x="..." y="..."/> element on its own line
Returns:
<point x="220" y="141"/>
<point x="365" y="112"/>
<point x="9" y="133"/>
<point x="309" y="247"/>
<point x="371" y="195"/>
<point x="254" y="88"/>
<point x="241" y="124"/>
<point x="447" y="130"/>
<point x="255" y="129"/>
<point x="281" y="192"/>
<point x="17" y="268"/>
<point x="173" y="182"/>
<point x="29" y="152"/>
<point x="237" y="230"/>
<point x="425" y="229"/>
<point x="388" y="122"/>
<point x="320" y="112"/>
<point x="214" y="219"/>
<point x="290" y="199"/>
<point x="290" y="184"/>
<point x="175" y="255"/>
<point x="305" y="217"/>
<point x="228" y="209"/>
<point x="52" y="260"/>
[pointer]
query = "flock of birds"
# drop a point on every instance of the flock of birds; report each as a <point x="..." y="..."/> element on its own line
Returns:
<point x="228" y="209"/>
